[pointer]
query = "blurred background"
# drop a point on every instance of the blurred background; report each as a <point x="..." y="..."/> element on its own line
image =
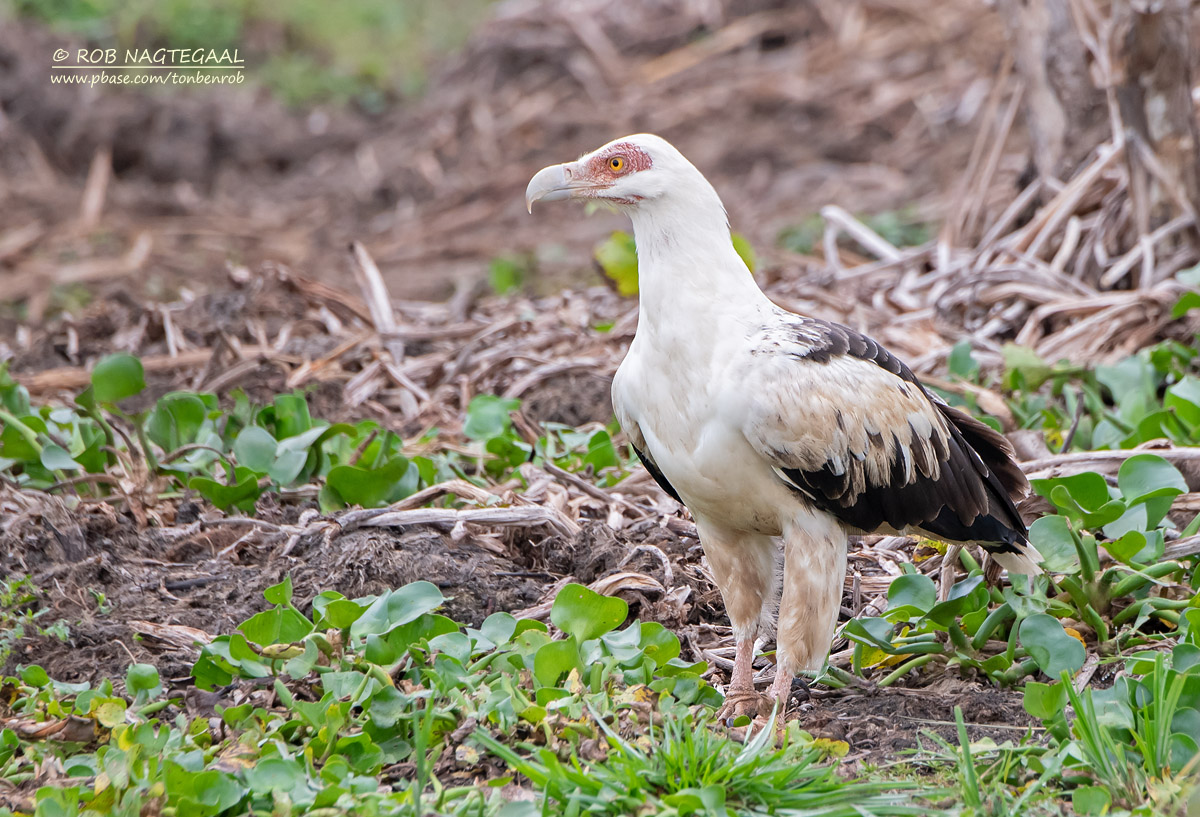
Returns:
<point x="413" y="126"/>
<point x="926" y="170"/>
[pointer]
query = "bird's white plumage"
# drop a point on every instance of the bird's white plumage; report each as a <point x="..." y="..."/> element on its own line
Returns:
<point x="758" y="419"/>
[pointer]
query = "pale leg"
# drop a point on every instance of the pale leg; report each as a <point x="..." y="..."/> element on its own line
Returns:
<point x="814" y="570"/>
<point x="743" y="565"/>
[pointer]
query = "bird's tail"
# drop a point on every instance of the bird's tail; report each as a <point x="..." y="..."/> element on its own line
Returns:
<point x="1017" y="557"/>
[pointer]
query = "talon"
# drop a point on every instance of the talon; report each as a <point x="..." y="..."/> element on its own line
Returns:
<point x="749" y="703"/>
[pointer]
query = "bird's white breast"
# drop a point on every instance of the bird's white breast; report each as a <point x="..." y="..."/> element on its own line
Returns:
<point x="679" y="391"/>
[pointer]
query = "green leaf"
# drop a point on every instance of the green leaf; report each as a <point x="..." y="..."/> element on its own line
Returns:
<point x="496" y="631"/>
<point x="255" y="449"/>
<point x="1186" y="303"/>
<point x="1044" y="701"/>
<point x="961" y="363"/>
<point x="1133" y="383"/>
<point x="1149" y="476"/>
<point x="1091" y="800"/>
<point x="1184" y="398"/>
<point x="291" y="415"/>
<point x="15" y="443"/>
<point x="873" y="632"/>
<point x="116" y="377"/>
<point x="1127" y="546"/>
<point x="55" y="458"/>
<point x="1023" y="367"/>
<point x="966" y="596"/>
<point x="371" y="488"/>
<point x="1052" y="537"/>
<point x="176" y="420"/>
<point x="35" y="676"/>
<point x="241" y="495"/>
<point x="659" y="643"/>
<point x="276" y="774"/>
<point x="1085" y="497"/>
<point x="554" y="660"/>
<point x="280" y="593"/>
<point x="586" y="614"/>
<point x="507" y="274"/>
<point x="294" y="452"/>
<point x="1049" y="645"/>
<point x="332" y="609"/>
<point x="601" y="453"/>
<point x="617" y="257"/>
<point x="282" y="625"/>
<point x="488" y="416"/>
<point x="912" y="590"/>
<point x="141" y="678"/>
<point x="109" y="712"/>
<point x="396" y="607"/>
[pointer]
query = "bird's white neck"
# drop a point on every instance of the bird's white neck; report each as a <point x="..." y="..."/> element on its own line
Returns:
<point x="686" y="259"/>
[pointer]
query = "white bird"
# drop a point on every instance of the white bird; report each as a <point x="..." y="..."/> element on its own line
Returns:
<point x="772" y="426"/>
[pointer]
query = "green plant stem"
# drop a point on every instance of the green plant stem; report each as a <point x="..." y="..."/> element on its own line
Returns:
<point x="185" y="449"/>
<point x="1019" y="670"/>
<point x="1095" y="621"/>
<point x="25" y="431"/>
<point x="1135" y="581"/>
<point x="967" y="560"/>
<point x="902" y="670"/>
<point x="157" y="706"/>
<point x="958" y="638"/>
<point x="841" y="676"/>
<point x="147" y="452"/>
<point x="995" y="619"/>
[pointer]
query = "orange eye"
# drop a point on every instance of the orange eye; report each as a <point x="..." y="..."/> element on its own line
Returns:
<point x="617" y="163"/>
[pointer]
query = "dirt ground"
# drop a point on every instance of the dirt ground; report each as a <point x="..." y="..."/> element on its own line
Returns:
<point x="235" y="210"/>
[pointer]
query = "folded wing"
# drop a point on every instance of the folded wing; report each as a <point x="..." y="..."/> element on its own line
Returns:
<point x="848" y="426"/>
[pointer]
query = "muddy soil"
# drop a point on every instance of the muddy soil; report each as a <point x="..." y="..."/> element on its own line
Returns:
<point x="99" y="572"/>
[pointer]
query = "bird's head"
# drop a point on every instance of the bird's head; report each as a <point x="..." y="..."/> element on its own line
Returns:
<point x="629" y="172"/>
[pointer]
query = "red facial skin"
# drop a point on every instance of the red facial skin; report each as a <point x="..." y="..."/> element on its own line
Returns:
<point x="600" y="170"/>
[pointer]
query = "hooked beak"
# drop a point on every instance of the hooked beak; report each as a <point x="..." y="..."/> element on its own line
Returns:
<point x="556" y="183"/>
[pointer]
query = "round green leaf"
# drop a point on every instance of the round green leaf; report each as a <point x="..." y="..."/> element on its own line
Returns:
<point x="488" y="416"/>
<point x="966" y="596"/>
<point x="279" y="593"/>
<point x="397" y="607"/>
<point x="15" y="443"/>
<point x="276" y="774"/>
<point x="1184" y="396"/>
<point x="585" y="613"/>
<point x="1145" y="476"/>
<point x="1049" y="645"/>
<point x="1044" y="701"/>
<point x="1052" y="537"/>
<point x="1090" y="800"/>
<point x="371" y="488"/>
<point x="912" y="590"/>
<point x="141" y="677"/>
<point x="176" y="420"/>
<point x="56" y="458"/>
<point x="617" y="256"/>
<point x="116" y="377"/>
<point x="242" y="495"/>
<point x="255" y="449"/>
<point x="554" y="660"/>
<point x="35" y="676"/>
<point x="111" y="712"/>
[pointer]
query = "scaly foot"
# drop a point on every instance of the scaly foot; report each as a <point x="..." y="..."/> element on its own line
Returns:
<point x="744" y="702"/>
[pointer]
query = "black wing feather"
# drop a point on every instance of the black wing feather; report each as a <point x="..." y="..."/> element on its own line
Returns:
<point x="657" y="474"/>
<point x="970" y="500"/>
